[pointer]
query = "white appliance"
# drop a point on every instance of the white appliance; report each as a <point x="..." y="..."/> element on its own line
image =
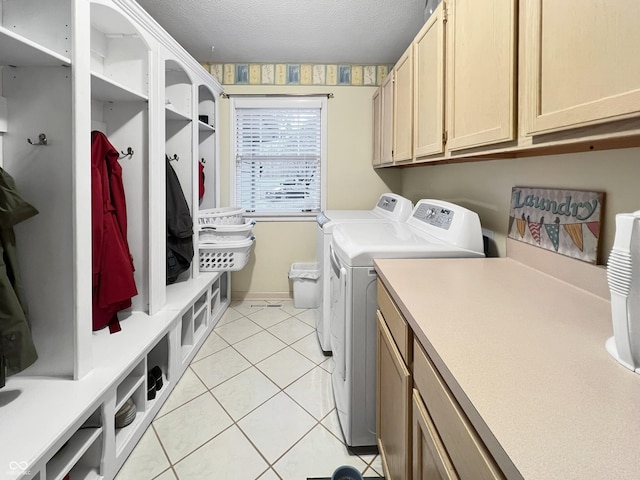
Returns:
<point x="623" y="276"/>
<point x="435" y="229"/>
<point x="389" y="207"/>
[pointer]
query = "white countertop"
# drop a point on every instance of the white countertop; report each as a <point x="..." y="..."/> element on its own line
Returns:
<point x="524" y="354"/>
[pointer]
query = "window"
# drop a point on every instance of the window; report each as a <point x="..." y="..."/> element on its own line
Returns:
<point x="279" y="148"/>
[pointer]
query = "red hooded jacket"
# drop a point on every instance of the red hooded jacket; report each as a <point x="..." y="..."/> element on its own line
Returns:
<point x="113" y="282"/>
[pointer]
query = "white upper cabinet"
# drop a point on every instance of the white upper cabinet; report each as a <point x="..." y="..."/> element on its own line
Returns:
<point x="580" y="62"/>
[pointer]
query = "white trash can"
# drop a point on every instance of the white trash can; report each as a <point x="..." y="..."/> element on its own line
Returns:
<point x="304" y="277"/>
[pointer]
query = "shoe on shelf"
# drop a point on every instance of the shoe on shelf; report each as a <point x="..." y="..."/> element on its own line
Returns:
<point x="157" y="374"/>
<point x="151" y="387"/>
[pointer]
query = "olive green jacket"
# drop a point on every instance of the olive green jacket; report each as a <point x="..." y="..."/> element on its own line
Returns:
<point x="17" y="344"/>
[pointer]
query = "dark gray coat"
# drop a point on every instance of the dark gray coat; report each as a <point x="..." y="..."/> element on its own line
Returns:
<point x="15" y="333"/>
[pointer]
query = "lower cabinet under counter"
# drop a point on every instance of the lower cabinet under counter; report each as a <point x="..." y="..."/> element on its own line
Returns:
<point x="393" y="414"/>
<point x="463" y="447"/>
<point x="422" y="432"/>
<point x="430" y="458"/>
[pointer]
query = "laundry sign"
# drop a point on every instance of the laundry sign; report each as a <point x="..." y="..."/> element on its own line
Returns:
<point x="564" y="221"/>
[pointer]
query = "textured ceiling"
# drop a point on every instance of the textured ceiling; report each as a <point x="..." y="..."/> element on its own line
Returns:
<point x="291" y="31"/>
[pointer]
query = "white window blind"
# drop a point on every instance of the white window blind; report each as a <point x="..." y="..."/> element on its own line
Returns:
<point x="278" y="160"/>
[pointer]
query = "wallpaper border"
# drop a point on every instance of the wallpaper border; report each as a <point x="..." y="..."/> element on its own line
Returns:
<point x="297" y="74"/>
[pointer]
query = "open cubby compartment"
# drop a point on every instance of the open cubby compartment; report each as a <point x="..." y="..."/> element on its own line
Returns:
<point x="201" y="315"/>
<point x="119" y="52"/>
<point x="126" y="125"/>
<point x="178" y="93"/>
<point x="80" y="453"/>
<point x="201" y="302"/>
<point x="159" y="356"/>
<point x="139" y="396"/>
<point x="186" y="333"/>
<point x="215" y="293"/>
<point x="206" y="108"/>
<point x="44" y="176"/>
<point x="35" y="32"/>
<point x="179" y="148"/>
<point x="225" y="292"/>
<point x="206" y="156"/>
<point x="131" y="382"/>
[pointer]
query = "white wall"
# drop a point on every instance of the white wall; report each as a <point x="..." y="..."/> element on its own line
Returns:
<point x="352" y="184"/>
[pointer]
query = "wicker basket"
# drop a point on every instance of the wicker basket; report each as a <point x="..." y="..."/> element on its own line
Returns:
<point x="225" y="257"/>
<point x="225" y="233"/>
<point x="220" y="216"/>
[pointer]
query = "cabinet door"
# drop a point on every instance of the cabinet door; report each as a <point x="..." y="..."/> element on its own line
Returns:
<point x="393" y="390"/>
<point x="481" y="66"/>
<point x="579" y="63"/>
<point x="428" y="64"/>
<point x="468" y="453"/>
<point x="376" y="156"/>
<point x="386" y="123"/>
<point x="403" y="108"/>
<point x="430" y="459"/>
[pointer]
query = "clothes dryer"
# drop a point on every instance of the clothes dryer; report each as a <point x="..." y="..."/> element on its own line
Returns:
<point x="436" y="229"/>
<point x="389" y="207"/>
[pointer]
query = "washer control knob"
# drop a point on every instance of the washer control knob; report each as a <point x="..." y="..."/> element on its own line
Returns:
<point x="430" y="213"/>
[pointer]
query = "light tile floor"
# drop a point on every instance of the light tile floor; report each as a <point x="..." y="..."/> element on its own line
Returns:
<point x="255" y="403"/>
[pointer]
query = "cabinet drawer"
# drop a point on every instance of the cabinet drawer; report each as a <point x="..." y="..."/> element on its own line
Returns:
<point x="467" y="452"/>
<point x="396" y="323"/>
<point x="430" y="458"/>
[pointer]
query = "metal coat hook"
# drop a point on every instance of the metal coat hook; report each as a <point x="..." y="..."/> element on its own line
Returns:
<point x="42" y="140"/>
<point x="175" y="157"/>
<point x="128" y="154"/>
<point x="203" y="161"/>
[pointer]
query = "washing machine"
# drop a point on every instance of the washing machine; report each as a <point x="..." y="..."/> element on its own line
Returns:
<point x="389" y="207"/>
<point x="436" y="229"/>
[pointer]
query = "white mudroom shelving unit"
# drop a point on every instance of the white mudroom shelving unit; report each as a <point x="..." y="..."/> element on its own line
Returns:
<point x="69" y="67"/>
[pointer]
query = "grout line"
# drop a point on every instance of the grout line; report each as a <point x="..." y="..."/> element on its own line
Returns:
<point x="168" y="469"/>
<point x="212" y="353"/>
<point x="263" y="359"/>
<point x="161" y="444"/>
<point x="201" y="446"/>
<point x="295" y="443"/>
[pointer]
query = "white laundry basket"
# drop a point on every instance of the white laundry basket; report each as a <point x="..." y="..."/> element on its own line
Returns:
<point x="229" y="256"/>
<point x="220" y="216"/>
<point x="223" y="233"/>
<point x="304" y="277"/>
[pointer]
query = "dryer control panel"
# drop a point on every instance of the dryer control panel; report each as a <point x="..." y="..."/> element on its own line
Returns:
<point x="434" y="215"/>
<point x="387" y="203"/>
